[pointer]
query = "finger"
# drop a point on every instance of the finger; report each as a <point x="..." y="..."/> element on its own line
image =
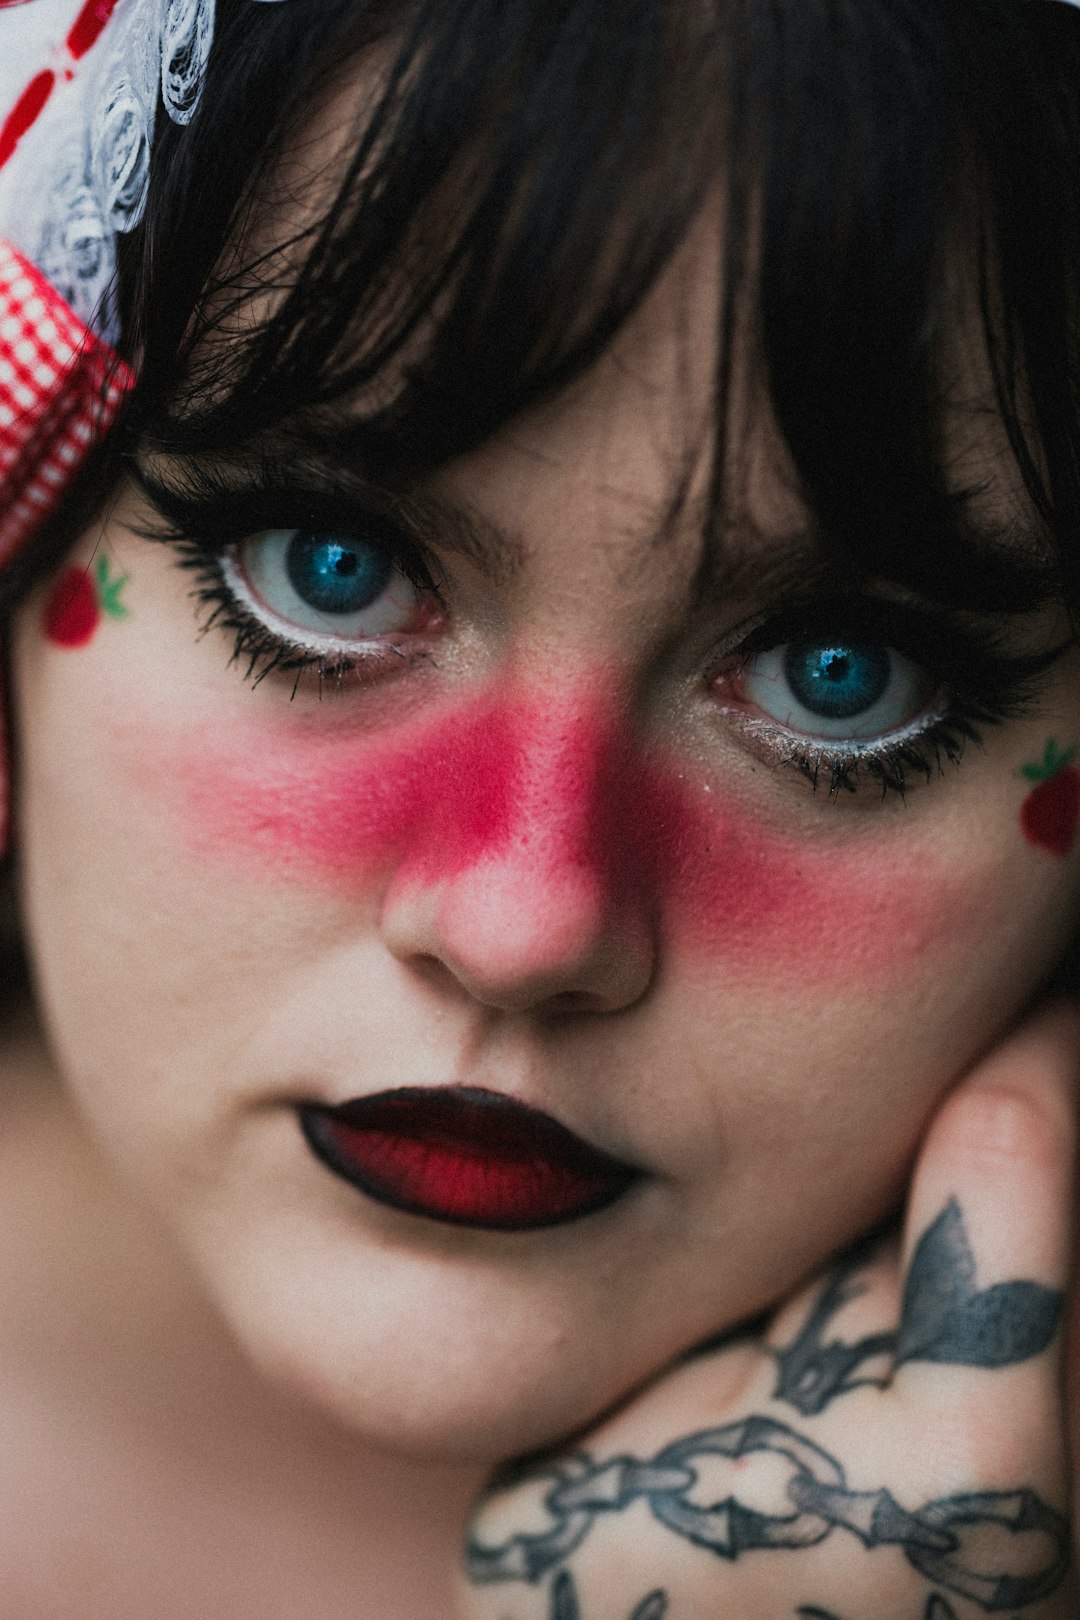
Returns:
<point x="988" y="1235"/>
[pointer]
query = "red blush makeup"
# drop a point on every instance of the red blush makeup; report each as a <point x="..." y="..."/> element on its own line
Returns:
<point x="545" y="797"/>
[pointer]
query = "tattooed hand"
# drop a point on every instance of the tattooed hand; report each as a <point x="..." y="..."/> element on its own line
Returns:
<point x="891" y="1449"/>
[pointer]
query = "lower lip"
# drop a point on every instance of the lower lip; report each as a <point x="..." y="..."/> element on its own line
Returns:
<point x="466" y="1157"/>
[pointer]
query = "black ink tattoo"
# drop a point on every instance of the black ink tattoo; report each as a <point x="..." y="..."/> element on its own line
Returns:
<point x="944" y="1319"/>
<point x="936" y="1609"/>
<point x="940" y="1540"/>
<point x="813" y="1372"/>
<point x="565" y="1605"/>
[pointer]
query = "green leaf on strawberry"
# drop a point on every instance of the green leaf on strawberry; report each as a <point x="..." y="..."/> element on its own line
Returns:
<point x="1050" y="813"/>
<point x="109" y="589"/>
<point x="1054" y="760"/>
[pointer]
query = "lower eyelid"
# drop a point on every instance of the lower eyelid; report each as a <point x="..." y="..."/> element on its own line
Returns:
<point x="937" y="734"/>
<point x="261" y="645"/>
<point x="760" y="725"/>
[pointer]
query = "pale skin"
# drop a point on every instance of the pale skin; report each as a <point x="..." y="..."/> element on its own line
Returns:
<point x="234" y="1314"/>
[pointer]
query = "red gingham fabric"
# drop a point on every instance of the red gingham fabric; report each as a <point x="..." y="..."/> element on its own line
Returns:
<point x="60" y="388"/>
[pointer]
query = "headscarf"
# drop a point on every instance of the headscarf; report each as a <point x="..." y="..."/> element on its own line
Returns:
<point x="81" y="82"/>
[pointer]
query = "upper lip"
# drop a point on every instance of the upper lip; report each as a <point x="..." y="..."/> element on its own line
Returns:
<point x="474" y="1115"/>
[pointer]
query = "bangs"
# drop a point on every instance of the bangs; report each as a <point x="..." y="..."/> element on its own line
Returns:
<point x="515" y="177"/>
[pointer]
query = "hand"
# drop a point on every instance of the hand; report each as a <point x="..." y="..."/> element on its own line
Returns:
<point x="892" y="1448"/>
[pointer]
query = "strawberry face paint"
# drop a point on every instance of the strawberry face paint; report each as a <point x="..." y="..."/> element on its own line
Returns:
<point x="78" y="601"/>
<point x="557" y="813"/>
<point x="1050" y="815"/>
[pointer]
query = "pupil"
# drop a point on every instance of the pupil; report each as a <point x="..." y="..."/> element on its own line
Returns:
<point x="336" y="576"/>
<point x="835" y="680"/>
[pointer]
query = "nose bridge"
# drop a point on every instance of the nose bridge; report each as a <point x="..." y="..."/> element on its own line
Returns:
<point x="557" y="765"/>
<point x="516" y="885"/>
<point x="541" y="777"/>
<point x="564" y="753"/>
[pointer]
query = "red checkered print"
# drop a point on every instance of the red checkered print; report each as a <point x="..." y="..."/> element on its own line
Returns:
<point x="60" y="388"/>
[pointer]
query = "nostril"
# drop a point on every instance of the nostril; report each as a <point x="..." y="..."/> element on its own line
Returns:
<point x="431" y="967"/>
<point x="566" y="1001"/>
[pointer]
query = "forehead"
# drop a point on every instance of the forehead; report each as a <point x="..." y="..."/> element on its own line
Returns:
<point x="624" y="465"/>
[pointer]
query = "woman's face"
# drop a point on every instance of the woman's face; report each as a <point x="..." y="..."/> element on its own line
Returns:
<point x="550" y="842"/>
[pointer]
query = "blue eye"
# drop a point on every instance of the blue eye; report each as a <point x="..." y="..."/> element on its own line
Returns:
<point x="835" y="690"/>
<point x="332" y="589"/>
<point x="335" y="575"/>
<point x="838" y="680"/>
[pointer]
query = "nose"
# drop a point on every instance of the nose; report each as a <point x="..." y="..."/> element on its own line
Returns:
<point x="527" y="887"/>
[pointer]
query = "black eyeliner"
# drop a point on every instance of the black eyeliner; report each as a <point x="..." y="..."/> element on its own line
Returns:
<point x="204" y="521"/>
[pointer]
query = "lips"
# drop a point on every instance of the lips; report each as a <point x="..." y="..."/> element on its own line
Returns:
<point x="465" y="1156"/>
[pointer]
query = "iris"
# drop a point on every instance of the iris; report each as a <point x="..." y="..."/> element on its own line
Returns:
<point x="335" y="575"/>
<point x="837" y="680"/>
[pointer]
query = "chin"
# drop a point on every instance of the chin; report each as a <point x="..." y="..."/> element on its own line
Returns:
<point x="417" y="1398"/>
<point x="420" y="1358"/>
<point x="431" y="1416"/>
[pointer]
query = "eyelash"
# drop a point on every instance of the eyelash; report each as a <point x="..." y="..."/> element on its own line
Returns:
<point x="891" y="763"/>
<point x="985" y="685"/>
<point x="207" y="521"/>
<point x="981" y="684"/>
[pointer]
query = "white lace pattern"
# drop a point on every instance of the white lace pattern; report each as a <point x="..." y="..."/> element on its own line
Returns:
<point x="79" y="177"/>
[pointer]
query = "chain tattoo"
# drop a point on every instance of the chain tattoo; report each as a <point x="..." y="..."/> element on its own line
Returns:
<point x="932" y="1539"/>
<point x="936" y="1609"/>
<point x="944" y="1319"/>
<point x="565" y="1605"/>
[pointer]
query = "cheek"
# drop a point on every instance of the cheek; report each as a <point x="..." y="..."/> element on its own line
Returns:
<point x="574" y="800"/>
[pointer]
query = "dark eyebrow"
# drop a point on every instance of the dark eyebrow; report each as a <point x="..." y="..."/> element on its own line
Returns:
<point x="177" y="482"/>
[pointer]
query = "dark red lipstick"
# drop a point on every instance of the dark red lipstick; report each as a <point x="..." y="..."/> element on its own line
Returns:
<point x="466" y="1156"/>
